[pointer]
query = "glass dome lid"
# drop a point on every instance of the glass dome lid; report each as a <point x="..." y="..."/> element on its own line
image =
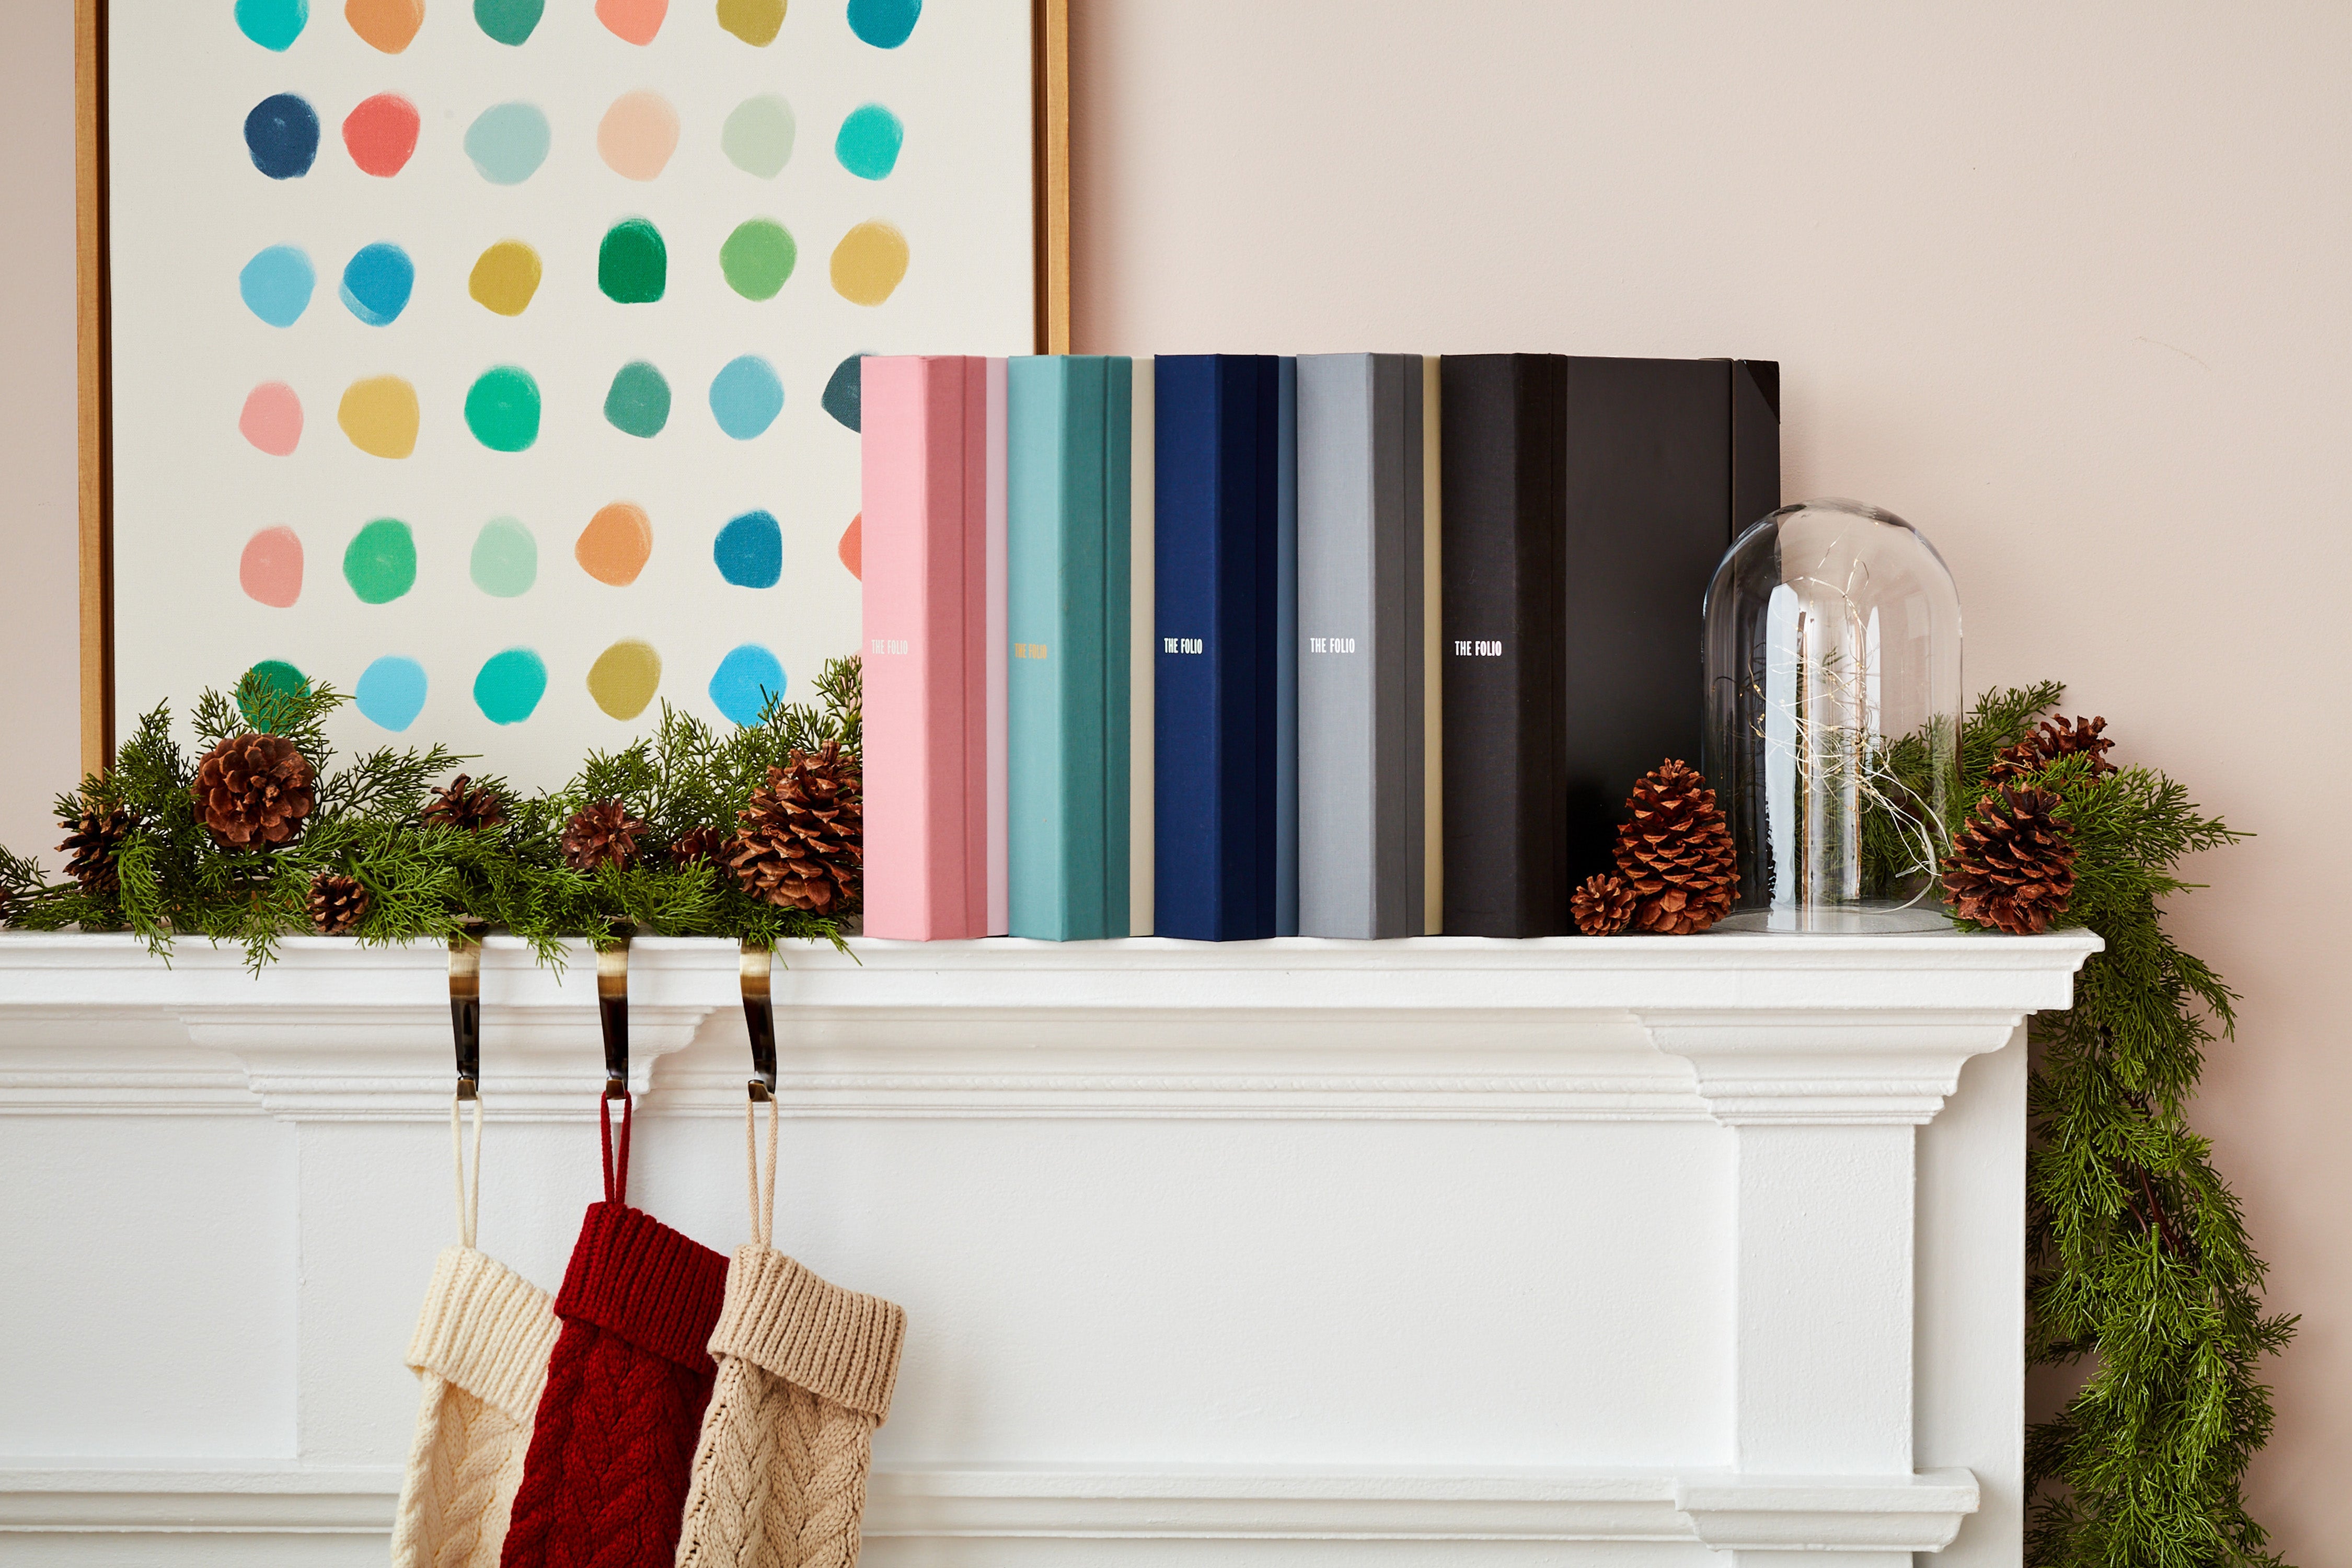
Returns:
<point x="1833" y="718"/>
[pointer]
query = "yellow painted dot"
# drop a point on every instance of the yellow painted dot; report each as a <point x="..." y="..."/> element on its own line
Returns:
<point x="868" y="262"/>
<point x="505" y="278"/>
<point x="625" y="677"/>
<point x="753" y="21"/>
<point x="379" y="415"/>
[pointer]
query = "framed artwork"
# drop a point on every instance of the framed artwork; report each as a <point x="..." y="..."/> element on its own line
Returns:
<point x="496" y="361"/>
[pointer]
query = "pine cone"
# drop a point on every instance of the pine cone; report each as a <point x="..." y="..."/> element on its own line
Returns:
<point x="2013" y="863"/>
<point x="1603" y="906"/>
<point x="92" y="840"/>
<point x="2053" y="739"/>
<point x="467" y="805"/>
<point x="338" y="903"/>
<point x="254" y="790"/>
<point x="702" y="843"/>
<point x="1676" y="853"/>
<point x="602" y="833"/>
<point x="801" y="842"/>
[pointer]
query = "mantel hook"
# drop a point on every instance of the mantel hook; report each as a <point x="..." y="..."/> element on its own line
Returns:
<point x="466" y="1007"/>
<point x="612" y="1008"/>
<point x="759" y="1018"/>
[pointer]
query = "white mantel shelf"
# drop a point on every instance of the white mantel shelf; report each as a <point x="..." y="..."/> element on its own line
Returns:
<point x="1665" y="1245"/>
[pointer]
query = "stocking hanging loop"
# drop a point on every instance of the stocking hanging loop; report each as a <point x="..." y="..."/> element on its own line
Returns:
<point x="469" y="1188"/>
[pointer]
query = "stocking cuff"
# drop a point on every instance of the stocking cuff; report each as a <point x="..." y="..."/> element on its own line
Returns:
<point x="632" y="1275"/>
<point x="485" y="1329"/>
<point x="833" y="1342"/>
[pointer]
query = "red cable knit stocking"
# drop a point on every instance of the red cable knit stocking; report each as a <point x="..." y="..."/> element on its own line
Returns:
<point x="604" y="1483"/>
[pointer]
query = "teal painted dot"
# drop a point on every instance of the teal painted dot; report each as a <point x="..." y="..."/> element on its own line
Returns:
<point x="508" y="21"/>
<point x="868" y="142"/>
<point x="377" y="281"/>
<point x="505" y="562"/>
<point x="380" y="562"/>
<point x="278" y="677"/>
<point x="746" y="680"/>
<point x="510" y="685"/>
<point x="750" y="550"/>
<point x="638" y="404"/>
<point x="884" y="24"/>
<point x="272" y="24"/>
<point x="277" y="283"/>
<point x="391" y="691"/>
<point x="746" y="396"/>
<point x="633" y="264"/>
<point x="843" y="391"/>
<point x="507" y="143"/>
<point x="502" y="408"/>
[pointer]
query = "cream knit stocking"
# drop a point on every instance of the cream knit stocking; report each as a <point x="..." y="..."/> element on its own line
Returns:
<point x="806" y="1371"/>
<point x="480" y="1349"/>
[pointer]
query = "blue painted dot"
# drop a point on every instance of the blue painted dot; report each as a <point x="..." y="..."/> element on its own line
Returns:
<point x="750" y="550"/>
<point x="282" y="135"/>
<point x="868" y="142"/>
<point x="746" y="682"/>
<point x="377" y="281"/>
<point x="272" y="24"/>
<point x="884" y="24"/>
<point x="510" y="685"/>
<point x="843" y="391"/>
<point x="746" y="396"/>
<point x="507" y="143"/>
<point x="391" y="692"/>
<point x="276" y="284"/>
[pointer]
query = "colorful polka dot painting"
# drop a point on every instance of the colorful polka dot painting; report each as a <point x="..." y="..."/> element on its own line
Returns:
<point x="513" y="386"/>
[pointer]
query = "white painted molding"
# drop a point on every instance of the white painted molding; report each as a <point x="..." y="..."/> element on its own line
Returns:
<point x="1902" y="1514"/>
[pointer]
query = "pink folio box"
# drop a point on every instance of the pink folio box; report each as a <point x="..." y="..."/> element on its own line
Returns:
<point x="927" y="477"/>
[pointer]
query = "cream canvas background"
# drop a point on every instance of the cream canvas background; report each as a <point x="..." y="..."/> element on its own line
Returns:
<point x="2070" y="288"/>
<point x="189" y="209"/>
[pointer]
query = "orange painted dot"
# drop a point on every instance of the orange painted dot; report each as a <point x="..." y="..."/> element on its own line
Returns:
<point x="852" y="549"/>
<point x="616" y="543"/>
<point x="388" y="25"/>
<point x="633" y="21"/>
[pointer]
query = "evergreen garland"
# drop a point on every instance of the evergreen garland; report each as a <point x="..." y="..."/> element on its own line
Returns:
<point x="424" y="881"/>
<point x="2138" y="1252"/>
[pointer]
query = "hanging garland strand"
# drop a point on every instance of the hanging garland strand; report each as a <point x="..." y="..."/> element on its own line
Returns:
<point x="2138" y="1252"/>
<point x="755" y="835"/>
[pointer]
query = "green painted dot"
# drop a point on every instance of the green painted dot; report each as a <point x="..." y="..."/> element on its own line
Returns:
<point x="508" y="21"/>
<point x="757" y="258"/>
<point x="380" y="562"/>
<point x="506" y="558"/>
<point x="632" y="265"/>
<point x="638" y="404"/>
<point x="758" y="135"/>
<point x="502" y="408"/>
<point x="277" y="677"/>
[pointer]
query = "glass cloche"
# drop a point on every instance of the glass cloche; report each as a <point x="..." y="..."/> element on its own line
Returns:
<point x="1833" y="718"/>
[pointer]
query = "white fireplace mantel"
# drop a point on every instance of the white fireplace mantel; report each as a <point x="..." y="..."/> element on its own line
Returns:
<point x="1641" y="1250"/>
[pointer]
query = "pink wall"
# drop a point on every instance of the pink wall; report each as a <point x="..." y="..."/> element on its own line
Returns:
<point x="2068" y="287"/>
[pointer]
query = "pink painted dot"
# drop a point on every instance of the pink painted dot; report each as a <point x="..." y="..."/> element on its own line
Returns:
<point x="272" y="419"/>
<point x="270" y="571"/>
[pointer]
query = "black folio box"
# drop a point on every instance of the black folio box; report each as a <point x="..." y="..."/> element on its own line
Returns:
<point x="1587" y="504"/>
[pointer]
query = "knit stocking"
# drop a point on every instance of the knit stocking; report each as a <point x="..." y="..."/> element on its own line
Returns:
<point x="480" y="1348"/>
<point x="806" y="1371"/>
<point x="606" y="1473"/>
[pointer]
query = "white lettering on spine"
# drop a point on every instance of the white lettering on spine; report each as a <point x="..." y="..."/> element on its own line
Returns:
<point x="1330" y="645"/>
<point x="889" y="645"/>
<point x="1477" y="648"/>
<point x="1182" y="645"/>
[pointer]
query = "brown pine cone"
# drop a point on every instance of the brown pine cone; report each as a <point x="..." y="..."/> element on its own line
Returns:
<point x="602" y="833"/>
<point x="1676" y="853"/>
<point x="1603" y="906"/>
<point x="801" y="842"/>
<point x="338" y="903"/>
<point x="467" y="805"/>
<point x="253" y="791"/>
<point x="91" y="842"/>
<point x="700" y="843"/>
<point x="2053" y="739"/>
<point x="2013" y="863"/>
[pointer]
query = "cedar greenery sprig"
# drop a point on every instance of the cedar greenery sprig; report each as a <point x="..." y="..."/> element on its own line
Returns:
<point x="2140" y="1262"/>
<point x="425" y="880"/>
